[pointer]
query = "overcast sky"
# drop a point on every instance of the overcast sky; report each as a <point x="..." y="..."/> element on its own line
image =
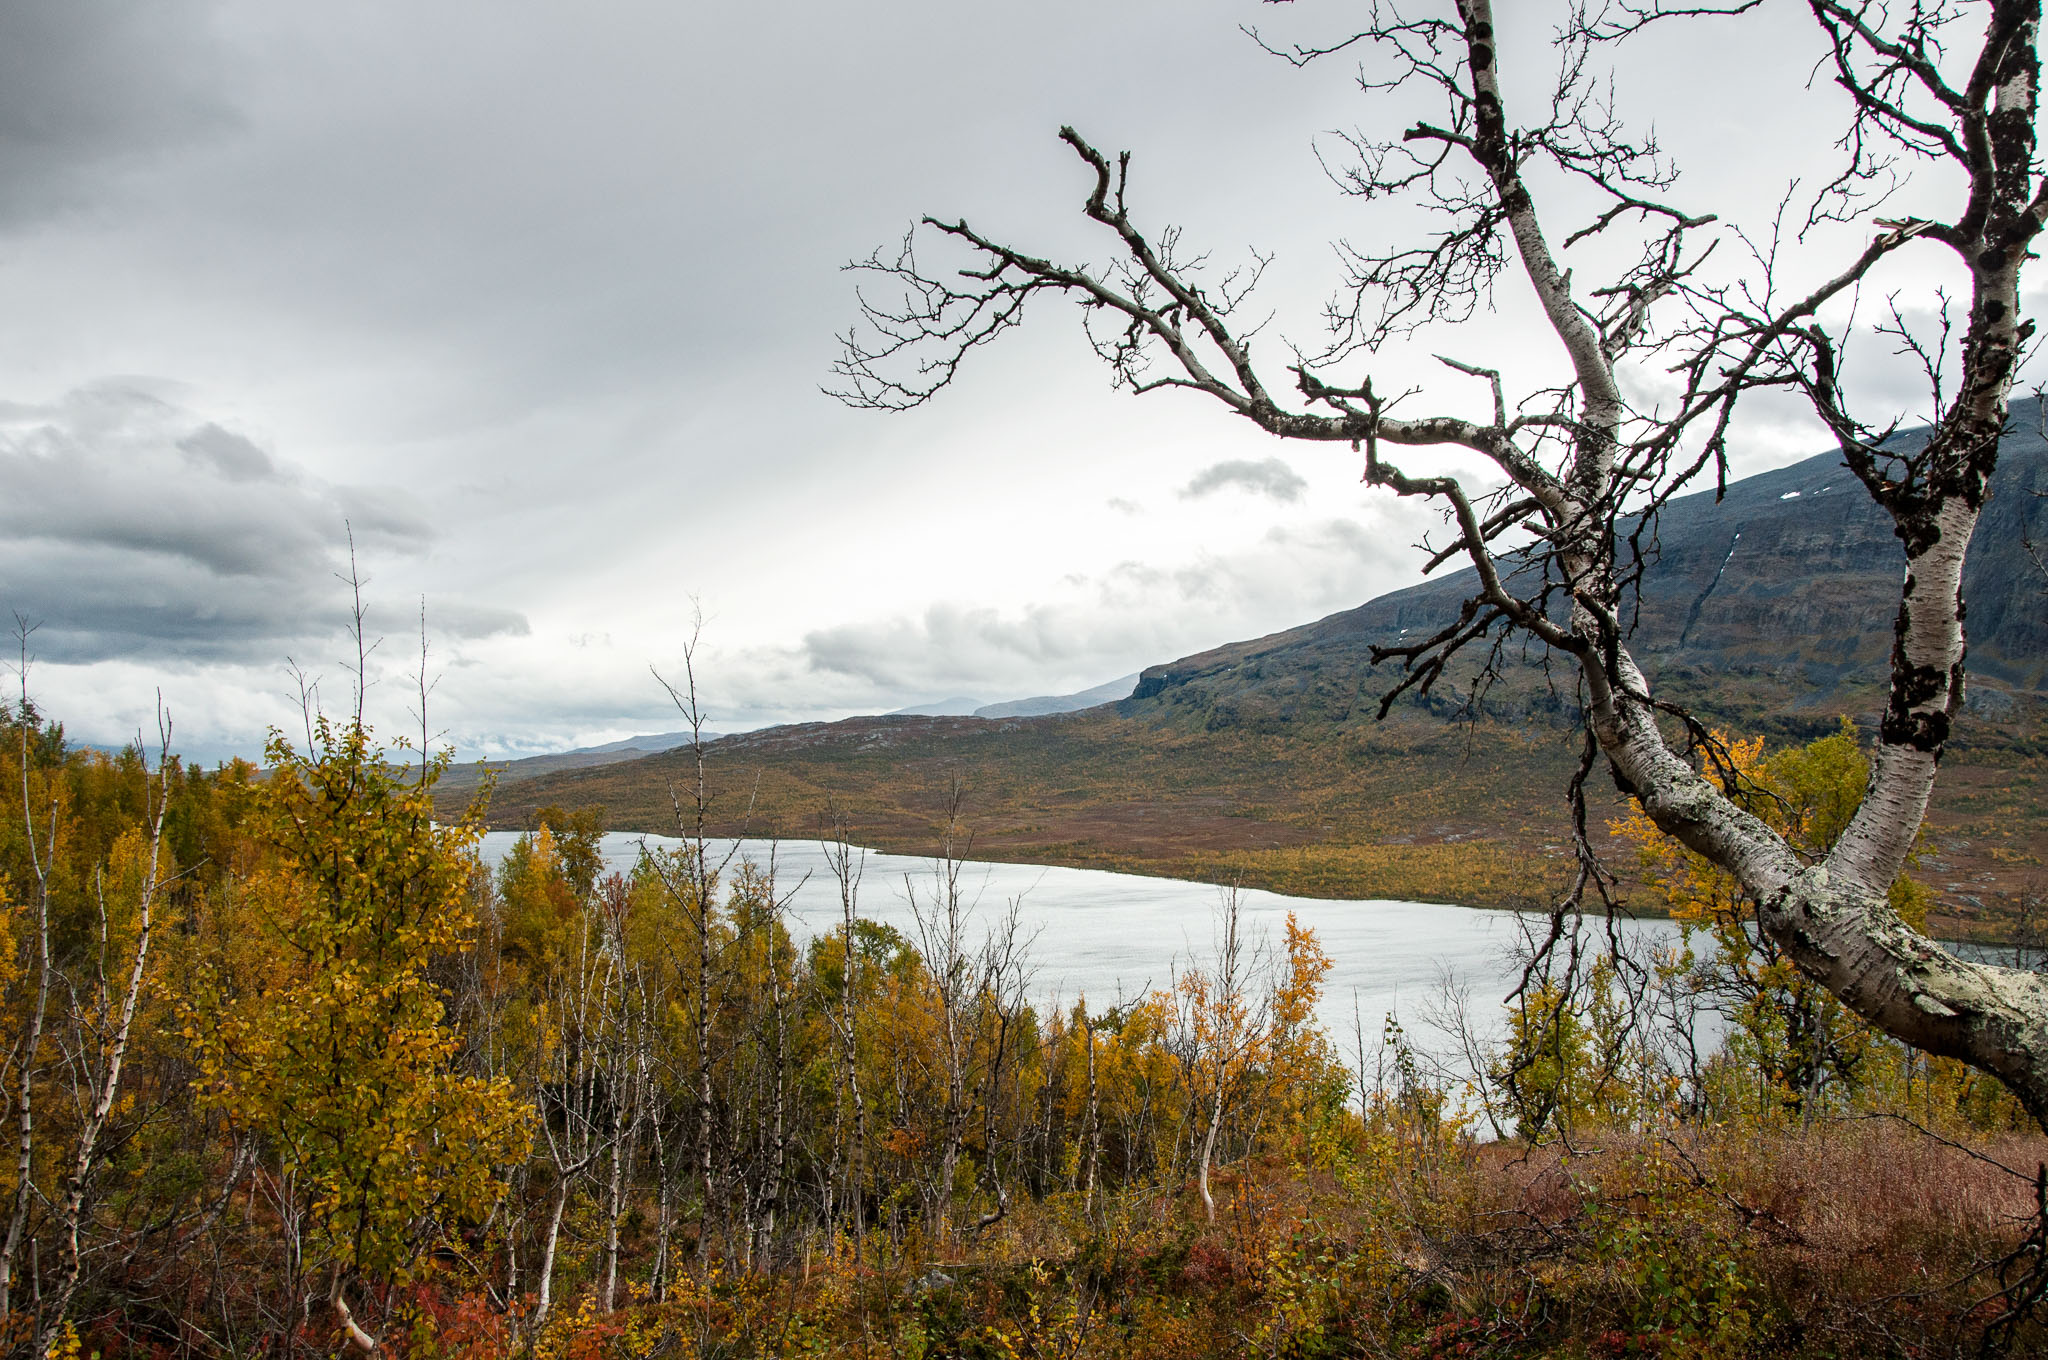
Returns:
<point x="537" y="300"/>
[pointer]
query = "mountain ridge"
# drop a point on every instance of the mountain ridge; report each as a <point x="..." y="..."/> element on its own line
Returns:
<point x="1786" y="585"/>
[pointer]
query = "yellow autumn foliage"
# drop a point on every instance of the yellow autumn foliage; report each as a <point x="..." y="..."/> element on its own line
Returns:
<point x="337" y="1054"/>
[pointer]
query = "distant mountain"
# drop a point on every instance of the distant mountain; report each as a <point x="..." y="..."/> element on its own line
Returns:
<point x="659" y="741"/>
<point x="956" y="707"/>
<point x="464" y="777"/>
<point x="1061" y="703"/>
<point x="1020" y="708"/>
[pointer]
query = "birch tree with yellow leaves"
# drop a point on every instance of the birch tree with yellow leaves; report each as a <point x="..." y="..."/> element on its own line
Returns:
<point x="337" y="1057"/>
<point x="1248" y="1033"/>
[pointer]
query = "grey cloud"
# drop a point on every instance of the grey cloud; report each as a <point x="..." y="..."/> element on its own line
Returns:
<point x="95" y="605"/>
<point x="81" y="84"/>
<point x="378" y="515"/>
<point x="1268" y="477"/>
<point x="1333" y="535"/>
<point x="134" y="529"/>
<point x="475" y="621"/>
<point x="94" y="473"/>
<point x="232" y="456"/>
<point x="474" y="177"/>
<point x="960" y="640"/>
<point x="1134" y="614"/>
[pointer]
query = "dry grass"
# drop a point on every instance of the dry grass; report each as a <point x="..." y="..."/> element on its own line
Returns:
<point x="1844" y="1241"/>
<point x="1846" y="1187"/>
<point x="1857" y="1238"/>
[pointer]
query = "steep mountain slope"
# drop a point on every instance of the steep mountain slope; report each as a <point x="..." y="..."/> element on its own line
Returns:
<point x="1772" y="608"/>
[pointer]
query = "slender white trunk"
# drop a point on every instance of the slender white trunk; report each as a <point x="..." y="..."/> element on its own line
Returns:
<point x="41" y="861"/>
<point x="25" y="1145"/>
<point x="846" y="868"/>
<point x="1209" y="1149"/>
<point x="1093" y="1121"/>
<point x="545" y="1300"/>
<point x="778" y="1100"/>
<point x="706" y="1184"/>
<point x="71" y="1206"/>
<point x="615" y="1201"/>
<point x="345" y="1319"/>
<point x="664" y="1208"/>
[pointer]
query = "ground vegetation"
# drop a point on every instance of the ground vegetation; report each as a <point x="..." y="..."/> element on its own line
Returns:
<point x="382" y="1098"/>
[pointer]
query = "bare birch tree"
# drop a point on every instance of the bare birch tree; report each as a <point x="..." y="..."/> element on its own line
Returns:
<point x="690" y="879"/>
<point x="847" y="862"/>
<point x="102" y="1022"/>
<point x="627" y="1058"/>
<point x="1223" y="1017"/>
<point x="570" y="1091"/>
<point x="999" y="1009"/>
<point x="27" y="1051"/>
<point x="1091" y="1114"/>
<point x="1941" y="86"/>
<point x="942" y="915"/>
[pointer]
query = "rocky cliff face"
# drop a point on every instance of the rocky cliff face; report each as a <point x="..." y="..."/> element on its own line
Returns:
<point x="1772" y="607"/>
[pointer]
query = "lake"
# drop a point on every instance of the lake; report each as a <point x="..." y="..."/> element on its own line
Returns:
<point x="1113" y="936"/>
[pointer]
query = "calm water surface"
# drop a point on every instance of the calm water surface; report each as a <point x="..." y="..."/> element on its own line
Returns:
<point x="1116" y="936"/>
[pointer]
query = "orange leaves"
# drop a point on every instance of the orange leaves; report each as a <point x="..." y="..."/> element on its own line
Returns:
<point x="904" y="1143"/>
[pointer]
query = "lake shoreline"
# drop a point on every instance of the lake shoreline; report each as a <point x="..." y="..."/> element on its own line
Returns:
<point x="1104" y="933"/>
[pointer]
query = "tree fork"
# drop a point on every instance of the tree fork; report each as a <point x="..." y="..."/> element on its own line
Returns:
<point x="1575" y="461"/>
